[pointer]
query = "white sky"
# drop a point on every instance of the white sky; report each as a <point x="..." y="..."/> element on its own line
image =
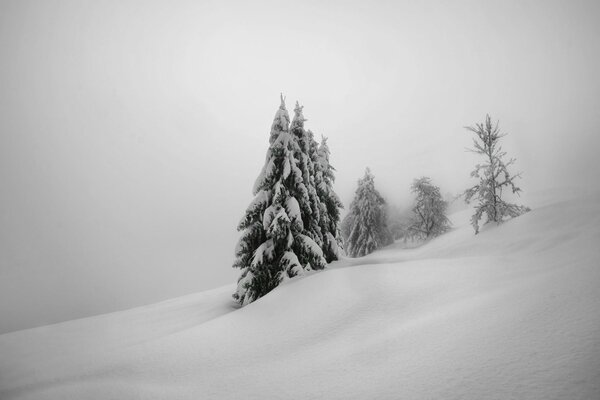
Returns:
<point x="131" y="132"/>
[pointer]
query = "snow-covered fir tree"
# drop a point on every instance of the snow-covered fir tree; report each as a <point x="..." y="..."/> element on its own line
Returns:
<point x="493" y="177"/>
<point x="310" y="206"/>
<point x="330" y="203"/>
<point x="365" y="227"/>
<point x="273" y="245"/>
<point x="429" y="212"/>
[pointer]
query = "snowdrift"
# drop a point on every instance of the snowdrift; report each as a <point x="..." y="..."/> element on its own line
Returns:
<point x="513" y="312"/>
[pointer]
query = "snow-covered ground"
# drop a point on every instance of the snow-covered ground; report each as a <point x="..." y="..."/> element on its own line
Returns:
<point x="512" y="313"/>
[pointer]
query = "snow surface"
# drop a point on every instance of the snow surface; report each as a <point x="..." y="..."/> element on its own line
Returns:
<point x="512" y="313"/>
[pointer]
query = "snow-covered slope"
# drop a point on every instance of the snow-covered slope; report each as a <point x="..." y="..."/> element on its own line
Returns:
<point x="513" y="312"/>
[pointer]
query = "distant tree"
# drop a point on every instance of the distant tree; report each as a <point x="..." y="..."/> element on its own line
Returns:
<point x="365" y="227"/>
<point x="429" y="212"/>
<point x="493" y="177"/>
<point x="330" y="203"/>
<point x="273" y="245"/>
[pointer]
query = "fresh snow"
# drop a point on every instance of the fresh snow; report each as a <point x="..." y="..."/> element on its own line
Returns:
<point x="265" y="249"/>
<point x="293" y="209"/>
<point x="309" y="245"/>
<point x="512" y="313"/>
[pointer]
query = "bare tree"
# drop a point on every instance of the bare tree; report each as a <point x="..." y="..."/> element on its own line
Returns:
<point x="493" y="176"/>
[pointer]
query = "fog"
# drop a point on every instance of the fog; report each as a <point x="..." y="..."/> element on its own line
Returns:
<point x="131" y="132"/>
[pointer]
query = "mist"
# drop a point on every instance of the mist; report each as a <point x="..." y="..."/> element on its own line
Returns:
<point x="131" y="133"/>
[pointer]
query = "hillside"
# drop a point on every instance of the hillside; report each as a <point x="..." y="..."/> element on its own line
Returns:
<point x="510" y="313"/>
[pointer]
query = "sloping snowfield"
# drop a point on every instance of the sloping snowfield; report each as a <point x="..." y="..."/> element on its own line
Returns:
<point x="512" y="313"/>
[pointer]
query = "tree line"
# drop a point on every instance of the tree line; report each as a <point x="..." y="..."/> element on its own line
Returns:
<point x="293" y="225"/>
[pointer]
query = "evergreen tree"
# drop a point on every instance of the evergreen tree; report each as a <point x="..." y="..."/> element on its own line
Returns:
<point x="330" y="203"/>
<point x="310" y="206"/>
<point x="429" y="212"/>
<point x="273" y="246"/>
<point x="365" y="227"/>
<point x="493" y="176"/>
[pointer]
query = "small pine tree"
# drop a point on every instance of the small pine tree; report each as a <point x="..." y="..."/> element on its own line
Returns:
<point x="273" y="246"/>
<point x="330" y="203"/>
<point x="429" y="212"/>
<point x="365" y="227"/>
<point x="493" y="176"/>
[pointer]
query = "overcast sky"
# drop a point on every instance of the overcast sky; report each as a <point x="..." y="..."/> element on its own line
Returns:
<point x="131" y="132"/>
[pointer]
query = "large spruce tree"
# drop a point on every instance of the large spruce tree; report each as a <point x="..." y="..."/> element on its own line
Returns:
<point x="309" y="205"/>
<point x="330" y="203"/>
<point x="365" y="227"/>
<point x="493" y="176"/>
<point x="274" y="244"/>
